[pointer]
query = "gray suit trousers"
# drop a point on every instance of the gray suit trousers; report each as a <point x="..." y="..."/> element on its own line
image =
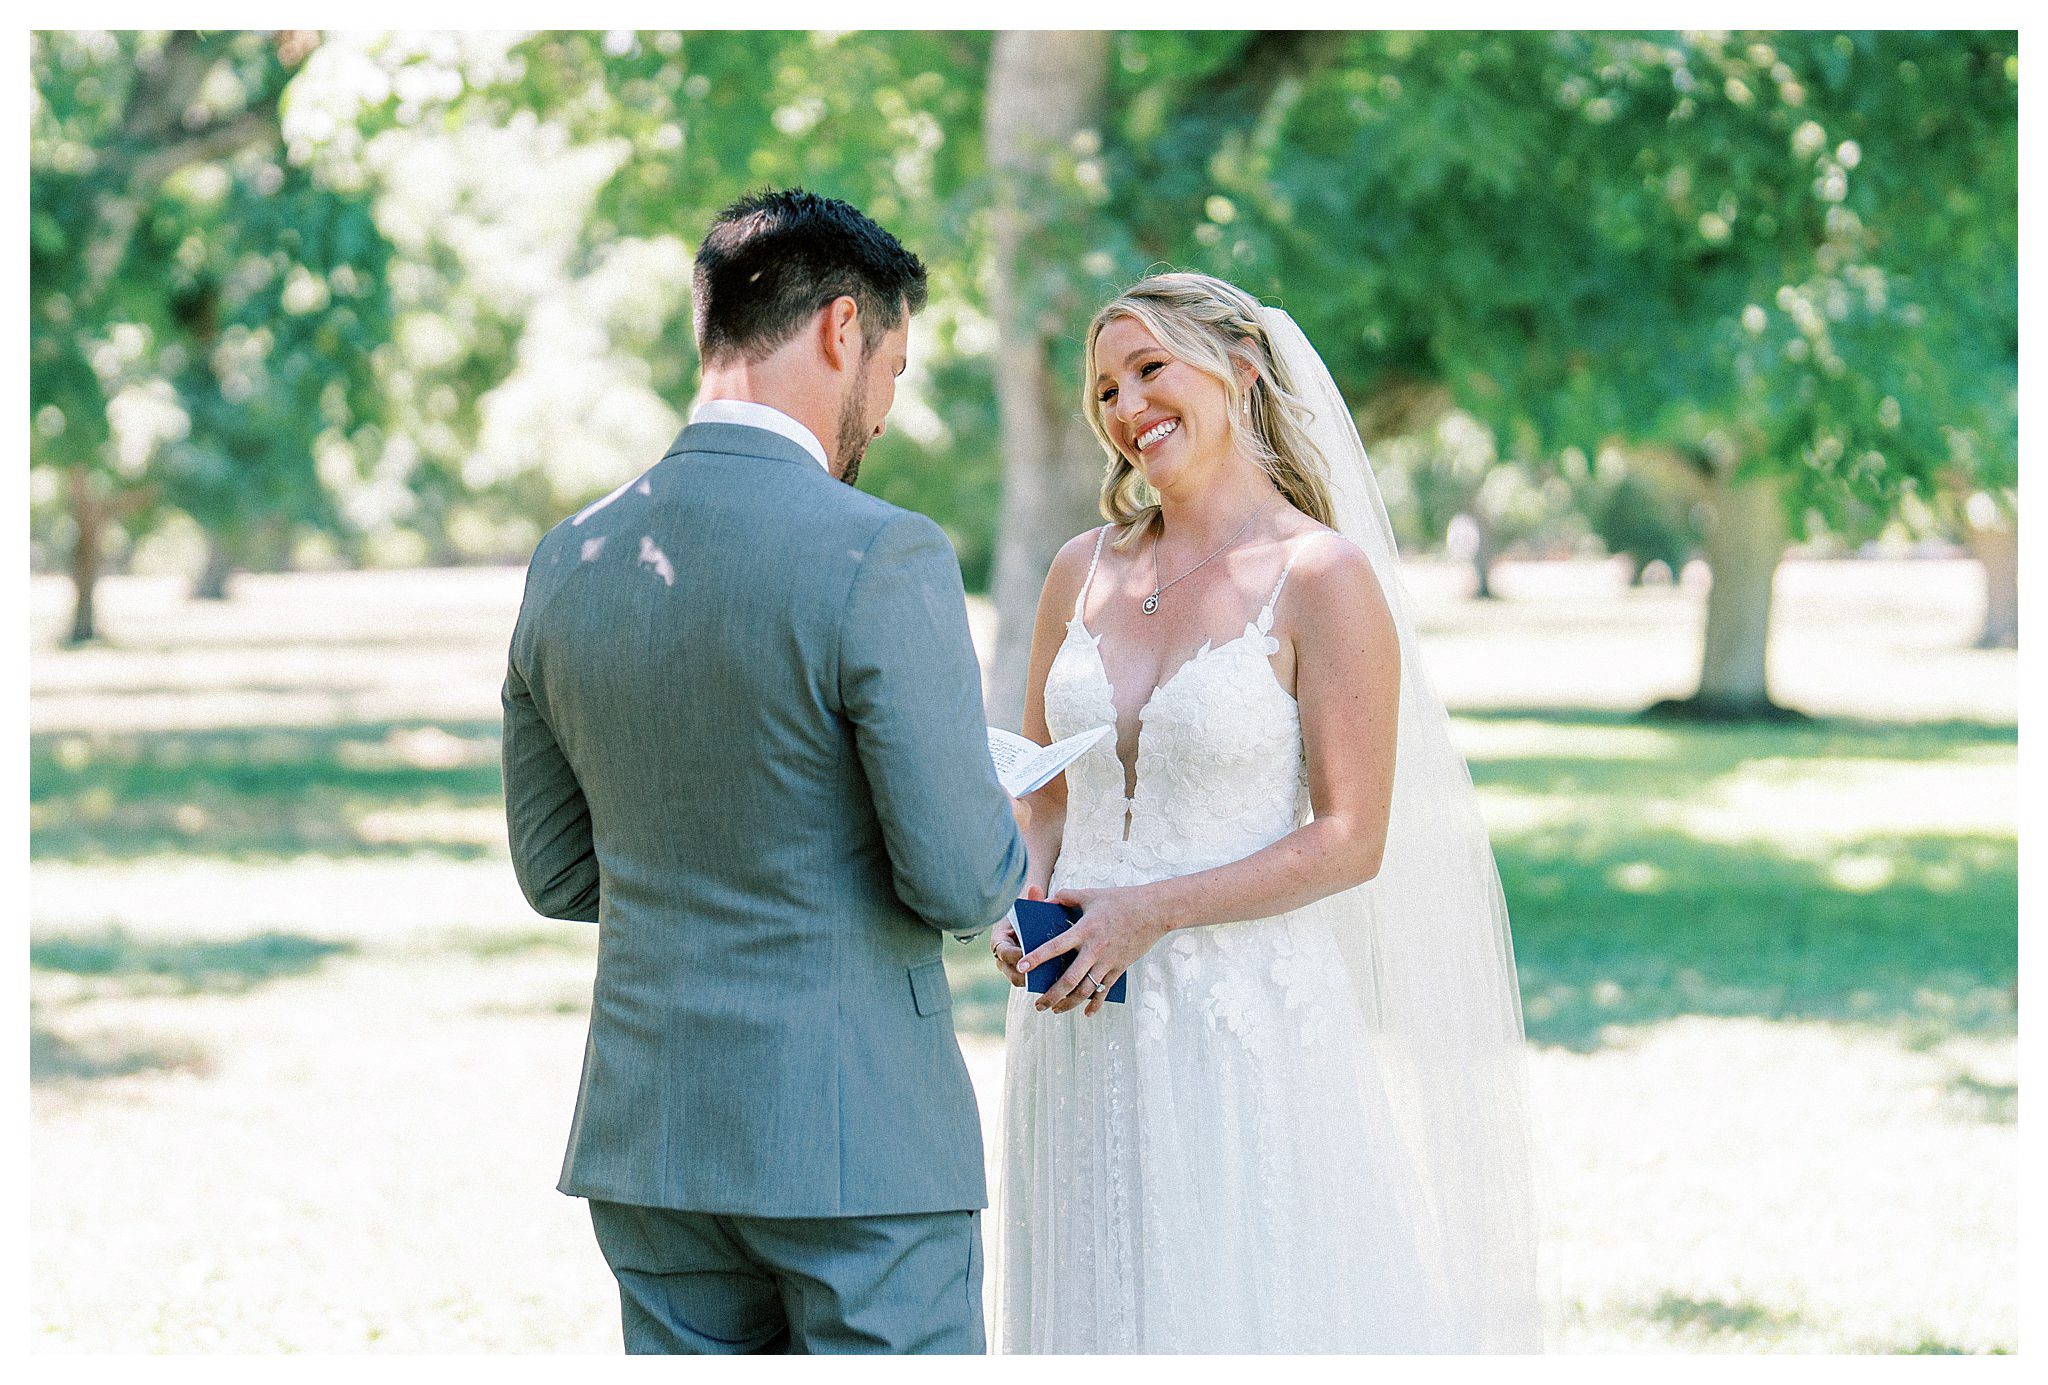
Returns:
<point x="701" y="1283"/>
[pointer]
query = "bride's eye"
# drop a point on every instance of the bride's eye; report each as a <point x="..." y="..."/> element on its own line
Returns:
<point x="1146" y="369"/>
<point x="1106" y="395"/>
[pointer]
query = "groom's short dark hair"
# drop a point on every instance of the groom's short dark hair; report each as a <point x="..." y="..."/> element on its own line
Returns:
<point x="772" y="259"/>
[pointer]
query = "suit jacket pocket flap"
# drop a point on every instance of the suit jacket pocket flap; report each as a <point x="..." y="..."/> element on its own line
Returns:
<point x="928" y="988"/>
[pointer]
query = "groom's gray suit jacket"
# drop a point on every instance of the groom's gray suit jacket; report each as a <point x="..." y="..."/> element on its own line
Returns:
<point x="743" y="732"/>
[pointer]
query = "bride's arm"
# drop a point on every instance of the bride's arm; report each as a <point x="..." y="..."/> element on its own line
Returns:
<point x="1048" y="806"/>
<point x="1348" y="686"/>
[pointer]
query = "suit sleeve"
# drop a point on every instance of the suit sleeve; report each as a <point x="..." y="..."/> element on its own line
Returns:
<point x="547" y="818"/>
<point x="911" y="686"/>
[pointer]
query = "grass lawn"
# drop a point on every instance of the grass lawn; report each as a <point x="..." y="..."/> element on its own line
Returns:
<point x="1654" y="871"/>
<point x="302" y="1061"/>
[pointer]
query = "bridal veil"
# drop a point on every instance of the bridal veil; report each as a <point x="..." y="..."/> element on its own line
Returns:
<point x="1427" y="946"/>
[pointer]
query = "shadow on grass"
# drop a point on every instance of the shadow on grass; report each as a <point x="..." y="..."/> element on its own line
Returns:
<point x="266" y="792"/>
<point x="577" y="1004"/>
<point x="230" y="966"/>
<point x="1993" y="1103"/>
<point x="580" y="940"/>
<point x="1717" y="1315"/>
<point x="1822" y="736"/>
<point x="1615" y="923"/>
<point x="54" y="1058"/>
<point x="1613" y="927"/>
<point x="1696" y="752"/>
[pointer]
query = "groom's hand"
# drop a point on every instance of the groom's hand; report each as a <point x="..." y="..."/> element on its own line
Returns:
<point x="1008" y="947"/>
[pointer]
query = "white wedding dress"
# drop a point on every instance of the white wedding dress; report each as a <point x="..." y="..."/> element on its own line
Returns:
<point x="1213" y="1166"/>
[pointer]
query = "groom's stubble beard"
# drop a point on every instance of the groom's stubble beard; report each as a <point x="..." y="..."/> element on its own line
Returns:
<point x="854" y="431"/>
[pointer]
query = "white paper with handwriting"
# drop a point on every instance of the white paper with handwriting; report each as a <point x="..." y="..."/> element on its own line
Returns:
<point x="1024" y="765"/>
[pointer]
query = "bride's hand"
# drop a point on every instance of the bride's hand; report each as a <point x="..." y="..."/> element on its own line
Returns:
<point x="1118" y="925"/>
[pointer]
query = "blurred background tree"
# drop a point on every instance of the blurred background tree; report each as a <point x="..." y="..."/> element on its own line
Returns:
<point x="411" y="298"/>
<point x="691" y="122"/>
<point x="1770" y="274"/>
<point x="278" y="304"/>
<point x="201" y="310"/>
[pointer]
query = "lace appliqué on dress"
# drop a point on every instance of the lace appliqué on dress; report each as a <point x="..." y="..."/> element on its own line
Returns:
<point x="1166" y="1164"/>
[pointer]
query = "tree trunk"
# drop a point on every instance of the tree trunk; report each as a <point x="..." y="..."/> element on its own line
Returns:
<point x="1044" y="87"/>
<point x="159" y="135"/>
<point x="89" y="515"/>
<point x="1746" y="535"/>
<point x="212" y="582"/>
<point x="1998" y="549"/>
<point x="1484" y="555"/>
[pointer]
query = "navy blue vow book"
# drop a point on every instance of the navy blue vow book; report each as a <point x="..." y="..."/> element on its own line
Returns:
<point x="1038" y="922"/>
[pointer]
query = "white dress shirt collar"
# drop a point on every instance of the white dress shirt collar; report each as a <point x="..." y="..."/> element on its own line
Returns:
<point x="752" y="415"/>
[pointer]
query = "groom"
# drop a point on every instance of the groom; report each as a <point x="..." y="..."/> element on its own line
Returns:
<point x="743" y="732"/>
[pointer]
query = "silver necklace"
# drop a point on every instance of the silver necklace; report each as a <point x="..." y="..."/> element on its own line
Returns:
<point x="1152" y="601"/>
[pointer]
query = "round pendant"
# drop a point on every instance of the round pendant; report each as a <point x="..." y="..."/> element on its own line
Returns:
<point x="1151" y="603"/>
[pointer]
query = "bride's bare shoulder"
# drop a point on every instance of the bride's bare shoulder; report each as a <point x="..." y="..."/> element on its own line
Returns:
<point x="1333" y="580"/>
<point x="1070" y="567"/>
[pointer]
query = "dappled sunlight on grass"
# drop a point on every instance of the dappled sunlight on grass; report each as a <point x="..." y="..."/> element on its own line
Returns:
<point x="148" y="966"/>
<point x="291" y="649"/>
<point x="1798" y="790"/>
<point x="267" y="792"/>
<point x="54" y="1057"/>
<point x="1994" y="1103"/>
<point x="1613" y="754"/>
<point x="1804" y="805"/>
<point x="293" y="1028"/>
<point x="1719" y="1315"/>
<point x="1749" y="1185"/>
<point x="1682" y="926"/>
<point x="578" y="939"/>
<point x="1504" y="737"/>
<point x="1786" y="872"/>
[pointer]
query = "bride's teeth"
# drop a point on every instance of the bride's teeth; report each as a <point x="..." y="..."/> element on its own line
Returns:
<point x="1156" y="432"/>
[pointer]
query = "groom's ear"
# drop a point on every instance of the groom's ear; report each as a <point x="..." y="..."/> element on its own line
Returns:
<point x="839" y="333"/>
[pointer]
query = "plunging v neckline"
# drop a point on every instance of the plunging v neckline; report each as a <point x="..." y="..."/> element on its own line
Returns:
<point x="1132" y="771"/>
<point x="1209" y="647"/>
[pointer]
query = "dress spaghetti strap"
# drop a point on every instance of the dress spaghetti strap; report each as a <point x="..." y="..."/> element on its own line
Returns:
<point x="1266" y="616"/>
<point x="1081" y="599"/>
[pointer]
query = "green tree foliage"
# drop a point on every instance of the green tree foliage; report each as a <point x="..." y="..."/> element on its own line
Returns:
<point x="1725" y="265"/>
<point x="277" y="306"/>
<point x="886" y="121"/>
<point x="1782" y="261"/>
<point x="1779" y="259"/>
<point x="1448" y="486"/>
<point x="1571" y="232"/>
<point x="1638" y="519"/>
<point x="202" y="310"/>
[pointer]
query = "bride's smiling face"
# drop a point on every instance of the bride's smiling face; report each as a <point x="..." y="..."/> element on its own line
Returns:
<point x="1163" y="414"/>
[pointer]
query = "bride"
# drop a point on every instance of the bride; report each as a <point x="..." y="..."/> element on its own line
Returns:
<point x="1306" y="1129"/>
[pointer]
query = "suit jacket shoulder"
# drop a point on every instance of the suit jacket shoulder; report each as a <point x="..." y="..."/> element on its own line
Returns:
<point x="754" y="696"/>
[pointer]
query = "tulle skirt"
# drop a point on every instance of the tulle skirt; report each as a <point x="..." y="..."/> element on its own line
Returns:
<point x="1212" y="1166"/>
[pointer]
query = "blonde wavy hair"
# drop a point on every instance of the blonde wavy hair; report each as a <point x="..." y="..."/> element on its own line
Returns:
<point x="1213" y="326"/>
